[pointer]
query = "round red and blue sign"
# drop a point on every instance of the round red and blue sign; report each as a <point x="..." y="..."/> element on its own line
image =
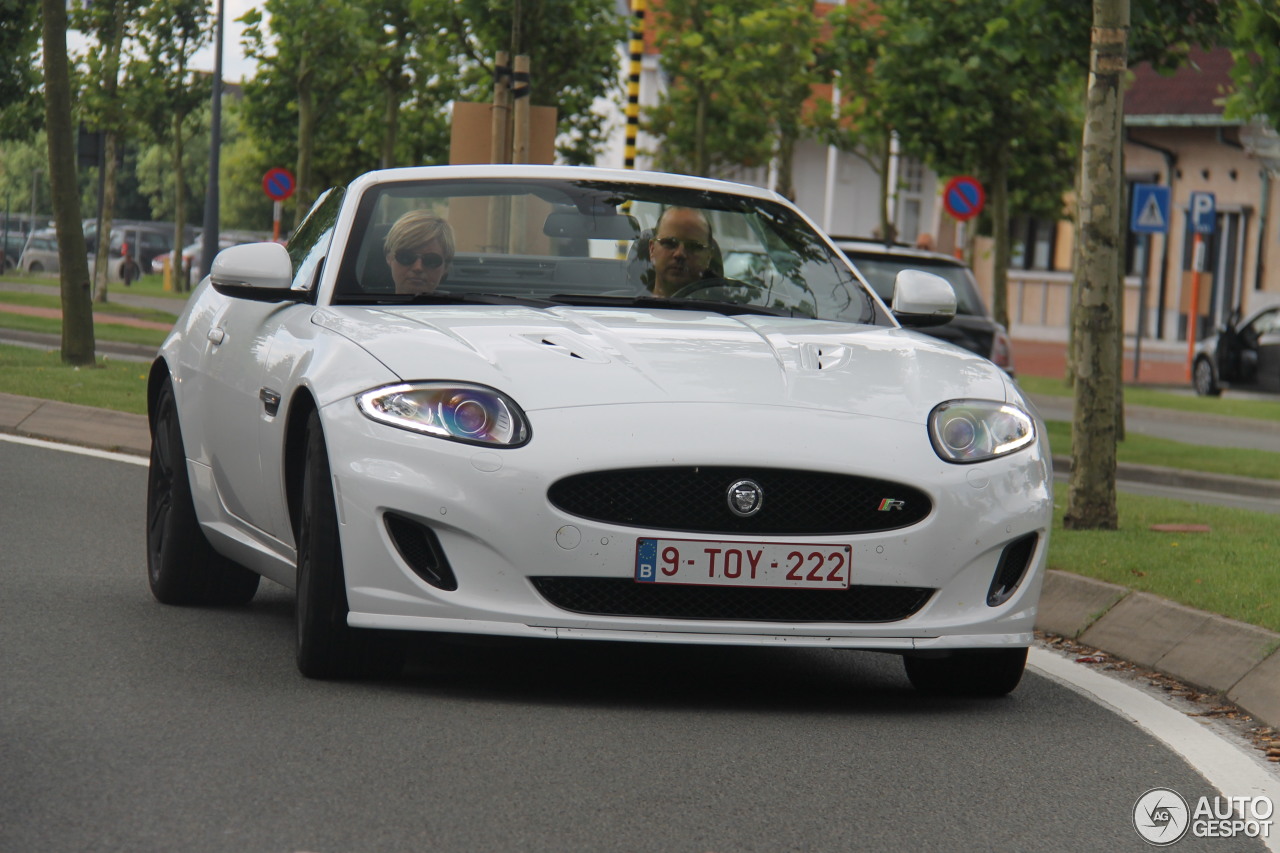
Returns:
<point x="278" y="183"/>
<point x="963" y="197"/>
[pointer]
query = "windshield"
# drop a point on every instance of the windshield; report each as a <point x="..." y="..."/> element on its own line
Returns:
<point x="592" y="242"/>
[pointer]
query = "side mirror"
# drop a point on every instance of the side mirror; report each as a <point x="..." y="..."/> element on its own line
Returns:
<point x="922" y="299"/>
<point x="257" y="271"/>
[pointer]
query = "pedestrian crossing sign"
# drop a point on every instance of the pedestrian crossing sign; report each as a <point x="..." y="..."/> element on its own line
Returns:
<point x="1150" y="209"/>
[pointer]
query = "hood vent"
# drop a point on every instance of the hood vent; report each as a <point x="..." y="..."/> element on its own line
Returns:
<point x="566" y="347"/>
<point x="823" y="356"/>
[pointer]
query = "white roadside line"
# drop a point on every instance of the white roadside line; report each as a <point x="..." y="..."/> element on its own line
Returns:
<point x="1227" y="766"/>
<point x="71" y="448"/>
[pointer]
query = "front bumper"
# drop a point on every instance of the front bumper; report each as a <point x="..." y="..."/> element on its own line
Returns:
<point x="489" y="512"/>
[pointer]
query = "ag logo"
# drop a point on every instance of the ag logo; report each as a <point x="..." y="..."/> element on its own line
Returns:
<point x="1161" y="816"/>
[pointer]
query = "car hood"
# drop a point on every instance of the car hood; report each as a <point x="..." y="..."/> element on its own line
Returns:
<point x="567" y="357"/>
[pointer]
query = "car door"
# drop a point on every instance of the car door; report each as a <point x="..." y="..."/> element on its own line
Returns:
<point x="1266" y="328"/>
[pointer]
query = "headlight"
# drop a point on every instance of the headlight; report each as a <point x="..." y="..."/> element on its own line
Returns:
<point x="977" y="430"/>
<point x="472" y="414"/>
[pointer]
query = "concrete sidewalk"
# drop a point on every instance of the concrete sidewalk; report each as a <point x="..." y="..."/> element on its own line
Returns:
<point x="1210" y="652"/>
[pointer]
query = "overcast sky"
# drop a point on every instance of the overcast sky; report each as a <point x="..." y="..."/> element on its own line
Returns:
<point x="235" y="68"/>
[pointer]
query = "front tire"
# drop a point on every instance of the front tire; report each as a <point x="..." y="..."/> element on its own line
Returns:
<point x="984" y="673"/>
<point x="1205" y="379"/>
<point x="327" y="646"/>
<point x="182" y="567"/>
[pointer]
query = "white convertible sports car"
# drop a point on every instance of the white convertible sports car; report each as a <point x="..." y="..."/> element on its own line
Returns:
<point x="527" y="401"/>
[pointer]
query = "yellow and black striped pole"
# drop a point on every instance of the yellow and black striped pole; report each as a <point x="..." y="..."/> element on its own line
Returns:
<point x="633" y="80"/>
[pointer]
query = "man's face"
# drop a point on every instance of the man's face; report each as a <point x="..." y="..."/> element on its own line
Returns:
<point x="418" y="269"/>
<point x="681" y="251"/>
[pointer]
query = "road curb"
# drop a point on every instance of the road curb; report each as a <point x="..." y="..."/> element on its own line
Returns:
<point x="1234" y="659"/>
<point x="1227" y="484"/>
<point x="86" y="426"/>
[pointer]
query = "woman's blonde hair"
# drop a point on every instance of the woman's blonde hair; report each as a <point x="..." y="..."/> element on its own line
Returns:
<point x="417" y="228"/>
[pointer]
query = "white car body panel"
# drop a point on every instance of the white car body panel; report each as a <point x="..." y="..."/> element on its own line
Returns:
<point x="604" y="388"/>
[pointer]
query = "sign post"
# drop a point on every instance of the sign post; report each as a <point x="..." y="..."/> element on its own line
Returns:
<point x="1203" y="214"/>
<point x="1150" y="215"/>
<point x="278" y="184"/>
<point x="963" y="197"/>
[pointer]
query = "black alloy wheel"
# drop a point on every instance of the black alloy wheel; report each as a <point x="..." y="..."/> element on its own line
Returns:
<point x="182" y="566"/>
<point x="327" y="646"/>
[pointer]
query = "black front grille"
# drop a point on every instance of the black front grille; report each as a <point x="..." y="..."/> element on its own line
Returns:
<point x="694" y="499"/>
<point x="625" y="597"/>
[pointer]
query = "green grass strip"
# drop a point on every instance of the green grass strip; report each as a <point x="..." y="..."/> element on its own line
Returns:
<point x="118" y="385"/>
<point x="1229" y="570"/>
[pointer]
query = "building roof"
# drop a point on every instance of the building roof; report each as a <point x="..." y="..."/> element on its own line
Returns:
<point x="1191" y="96"/>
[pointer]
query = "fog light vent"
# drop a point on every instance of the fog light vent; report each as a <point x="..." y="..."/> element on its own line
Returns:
<point x="1013" y="565"/>
<point x="420" y="548"/>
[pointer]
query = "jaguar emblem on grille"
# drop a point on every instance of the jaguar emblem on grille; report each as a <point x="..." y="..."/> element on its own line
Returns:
<point x="745" y="498"/>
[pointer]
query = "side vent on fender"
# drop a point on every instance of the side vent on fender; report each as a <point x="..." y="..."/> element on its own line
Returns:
<point x="1015" y="559"/>
<point x="419" y="547"/>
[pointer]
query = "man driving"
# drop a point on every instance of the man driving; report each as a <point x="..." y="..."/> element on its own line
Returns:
<point x="680" y="249"/>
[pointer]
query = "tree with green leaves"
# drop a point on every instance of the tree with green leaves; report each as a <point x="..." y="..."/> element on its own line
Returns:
<point x="105" y="110"/>
<point x="20" y="104"/>
<point x="739" y="76"/>
<point x="308" y="54"/>
<point x="1256" y="51"/>
<point x="170" y="94"/>
<point x="855" y="122"/>
<point x="572" y="49"/>
<point x="78" y="345"/>
<point x="980" y="88"/>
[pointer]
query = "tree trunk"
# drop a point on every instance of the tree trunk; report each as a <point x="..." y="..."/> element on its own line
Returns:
<point x="306" y="138"/>
<point x="179" y="209"/>
<point x="786" y="162"/>
<point x="78" y="345"/>
<point x="102" y="255"/>
<point x="390" y="125"/>
<point x="700" y="133"/>
<point x="1095" y="321"/>
<point x="1000" y="223"/>
<point x="111" y="85"/>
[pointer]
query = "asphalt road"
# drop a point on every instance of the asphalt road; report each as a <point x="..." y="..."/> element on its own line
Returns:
<point x="127" y="725"/>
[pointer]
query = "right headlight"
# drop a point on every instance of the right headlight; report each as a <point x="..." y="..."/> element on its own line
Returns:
<point x="966" y="431"/>
<point x="458" y="411"/>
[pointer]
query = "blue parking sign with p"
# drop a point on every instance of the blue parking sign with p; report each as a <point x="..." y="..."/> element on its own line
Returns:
<point x="1150" y="213"/>
<point x="1203" y="213"/>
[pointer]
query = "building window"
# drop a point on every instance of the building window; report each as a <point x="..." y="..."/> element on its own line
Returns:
<point x="1032" y="243"/>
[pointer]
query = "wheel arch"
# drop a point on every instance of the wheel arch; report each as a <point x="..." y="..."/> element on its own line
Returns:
<point x="295" y="454"/>
<point x="155" y="380"/>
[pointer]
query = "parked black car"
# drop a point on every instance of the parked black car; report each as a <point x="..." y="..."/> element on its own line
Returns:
<point x="972" y="328"/>
<point x="1243" y="355"/>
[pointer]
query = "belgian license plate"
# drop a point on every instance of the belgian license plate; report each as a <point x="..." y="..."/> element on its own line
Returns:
<point x="720" y="563"/>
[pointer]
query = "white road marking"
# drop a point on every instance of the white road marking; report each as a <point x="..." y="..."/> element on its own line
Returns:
<point x="72" y="448"/>
<point x="1226" y="764"/>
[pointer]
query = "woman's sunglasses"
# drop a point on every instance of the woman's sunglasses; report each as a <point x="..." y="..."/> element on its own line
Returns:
<point x="430" y="260"/>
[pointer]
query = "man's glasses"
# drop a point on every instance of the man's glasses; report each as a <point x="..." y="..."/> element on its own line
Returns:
<point x="672" y="243"/>
<point x="430" y="260"/>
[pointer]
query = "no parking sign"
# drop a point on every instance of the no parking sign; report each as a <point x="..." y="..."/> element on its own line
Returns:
<point x="963" y="197"/>
<point x="278" y="184"/>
